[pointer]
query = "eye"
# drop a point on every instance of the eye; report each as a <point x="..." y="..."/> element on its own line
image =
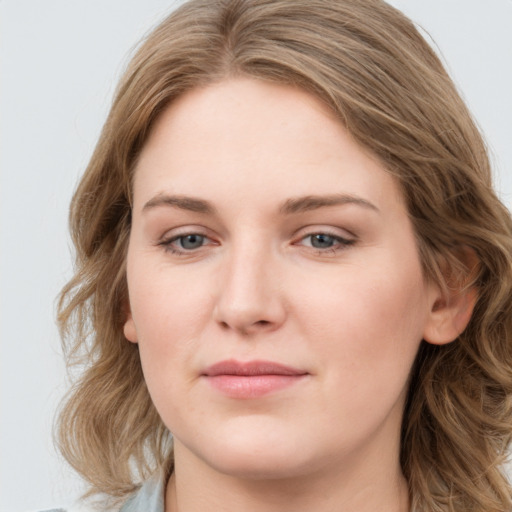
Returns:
<point x="185" y="243"/>
<point x="322" y="241"/>
<point x="190" y="242"/>
<point x="326" y="242"/>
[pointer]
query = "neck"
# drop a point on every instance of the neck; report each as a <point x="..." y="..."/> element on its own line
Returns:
<point x="194" y="487"/>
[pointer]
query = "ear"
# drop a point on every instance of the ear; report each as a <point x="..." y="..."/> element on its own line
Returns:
<point x="452" y="305"/>
<point x="129" y="330"/>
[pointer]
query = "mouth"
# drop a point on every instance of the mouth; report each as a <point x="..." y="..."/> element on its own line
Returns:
<point x="252" y="379"/>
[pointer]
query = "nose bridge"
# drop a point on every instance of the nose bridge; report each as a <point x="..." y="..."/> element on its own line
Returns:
<point x="249" y="297"/>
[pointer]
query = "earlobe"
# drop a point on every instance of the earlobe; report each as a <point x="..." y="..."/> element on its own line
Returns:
<point x="130" y="333"/>
<point x="452" y="307"/>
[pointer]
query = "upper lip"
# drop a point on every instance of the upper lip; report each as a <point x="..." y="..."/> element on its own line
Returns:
<point x="250" y="368"/>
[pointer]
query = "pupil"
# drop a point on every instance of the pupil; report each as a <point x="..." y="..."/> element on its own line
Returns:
<point x="322" y="241"/>
<point x="191" y="241"/>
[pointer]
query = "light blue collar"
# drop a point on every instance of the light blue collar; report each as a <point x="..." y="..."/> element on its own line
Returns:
<point x="150" y="497"/>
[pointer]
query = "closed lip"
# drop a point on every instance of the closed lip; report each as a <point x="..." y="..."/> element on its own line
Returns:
<point x="251" y="369"/>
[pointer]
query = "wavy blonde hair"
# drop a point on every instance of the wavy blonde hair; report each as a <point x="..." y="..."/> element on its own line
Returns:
<point x="370" y="65"/>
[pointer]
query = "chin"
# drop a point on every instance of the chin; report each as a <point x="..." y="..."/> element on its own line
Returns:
<point x="254" y="454"/>
<point x="268" y="464"/>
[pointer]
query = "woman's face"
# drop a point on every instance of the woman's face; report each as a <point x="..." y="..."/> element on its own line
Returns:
<point x="275" y="288"/>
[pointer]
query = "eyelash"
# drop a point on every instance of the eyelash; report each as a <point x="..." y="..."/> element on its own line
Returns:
<point x="169" y="247"/>
<point x="342" y="243"/>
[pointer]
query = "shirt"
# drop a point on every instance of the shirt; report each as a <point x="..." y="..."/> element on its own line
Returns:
<point x="149" y="498"/>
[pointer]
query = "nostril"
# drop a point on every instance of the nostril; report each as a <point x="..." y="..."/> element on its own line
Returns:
<point x="245" y="328"/>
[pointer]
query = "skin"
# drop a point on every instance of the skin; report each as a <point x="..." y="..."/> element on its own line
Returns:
<point x="254" y="284"/>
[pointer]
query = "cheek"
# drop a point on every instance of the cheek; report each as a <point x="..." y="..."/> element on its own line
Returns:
<point x="169" y="310"/>
<point x="165" y="300"/>
<point x="364" y="340"/>
<point x="369" y="319"/>
<point x="168" y="323"/>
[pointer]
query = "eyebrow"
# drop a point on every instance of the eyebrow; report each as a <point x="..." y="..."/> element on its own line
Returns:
<point x="191" y="204"/>
<point x="308" y="203"/>
<point x="289" y="207"/>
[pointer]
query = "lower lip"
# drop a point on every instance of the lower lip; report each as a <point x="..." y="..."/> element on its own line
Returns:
<point x="253" y="386"/>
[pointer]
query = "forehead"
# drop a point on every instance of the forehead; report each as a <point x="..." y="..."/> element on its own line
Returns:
<point x="240" y="133"/>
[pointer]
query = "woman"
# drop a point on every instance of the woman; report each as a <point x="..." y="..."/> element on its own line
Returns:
<point x="289" y="256"/>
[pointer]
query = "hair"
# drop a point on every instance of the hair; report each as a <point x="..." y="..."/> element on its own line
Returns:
<point x="368" y="63"/>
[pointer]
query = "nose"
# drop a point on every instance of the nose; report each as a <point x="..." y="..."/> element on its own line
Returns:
<point x="250" y="298"/>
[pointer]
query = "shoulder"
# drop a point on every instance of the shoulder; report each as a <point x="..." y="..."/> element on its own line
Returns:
<point x="76" y="508"/>
<point x="79" y="507"/>
<point x="149" y="498"/>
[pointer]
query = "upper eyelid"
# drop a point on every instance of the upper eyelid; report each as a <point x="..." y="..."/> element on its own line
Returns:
<point x="304" y="231"/>
<point x="333" y="231"/>
<point x="184" y="230"/>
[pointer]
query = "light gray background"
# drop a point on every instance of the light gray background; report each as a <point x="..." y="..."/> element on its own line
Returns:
<point x="59" y="62"/>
